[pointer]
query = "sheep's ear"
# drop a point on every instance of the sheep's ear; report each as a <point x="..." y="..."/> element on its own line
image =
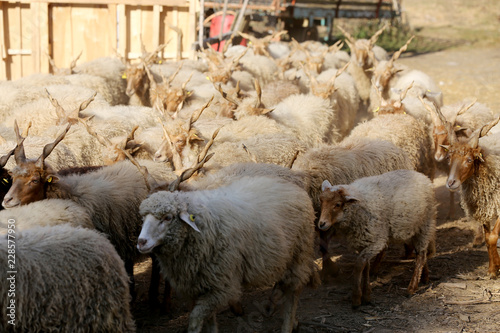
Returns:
<point x="190" y="219"/>
<point x="463" y="130"/>
<point x="349" y="199"/>
<point x="326" y="185"/>
<point x="433" y="94"/>
<point x="445" y="147"/>
<point x="52" y="179"/>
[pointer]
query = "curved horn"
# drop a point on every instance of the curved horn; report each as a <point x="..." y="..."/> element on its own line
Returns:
<point x="50" y="147"/>
<point x="347" y="35"/>
<point x="6" y="157"/>
<point x="462" y="110"/>
<point x="19" y="154"/>
<point x="486" y="128"/>
<point x="374" y="38"/>
<point x="398" y="53"/>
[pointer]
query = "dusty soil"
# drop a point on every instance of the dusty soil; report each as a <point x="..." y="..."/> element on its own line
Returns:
<point x="459" y="297"/>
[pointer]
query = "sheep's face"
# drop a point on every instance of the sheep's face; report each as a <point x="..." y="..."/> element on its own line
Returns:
<point x="360" y="53"/>
<point x="29" y="184"/>
<point x="333" y="201"/>
<point x="134" y="75"/>
<point x="461" y="159"/>
<point x="440" y="136"/>
<point x="322" y="89"/>
<point x="166" y="224"/>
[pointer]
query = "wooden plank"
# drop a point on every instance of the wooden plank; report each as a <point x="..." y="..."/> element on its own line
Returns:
<point x="122" y="41"/>
<point x="156" y="25"/>
<point x="180" y="3"/>
<point x="112" y="29"/>
<point x="4" y="70"/>
<point x="40" y="38"/>
<point x="191" y="31"/>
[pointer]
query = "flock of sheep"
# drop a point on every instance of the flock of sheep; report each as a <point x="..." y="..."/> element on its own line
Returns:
<point x="233" y="170"/>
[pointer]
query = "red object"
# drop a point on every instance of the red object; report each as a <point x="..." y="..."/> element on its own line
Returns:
<point x="215" y="30"/>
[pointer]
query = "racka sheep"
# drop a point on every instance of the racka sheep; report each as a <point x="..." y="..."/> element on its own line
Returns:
<point x="398" y="205"/>
<point x="67" y="280"/>
<point x="212" y="243"/>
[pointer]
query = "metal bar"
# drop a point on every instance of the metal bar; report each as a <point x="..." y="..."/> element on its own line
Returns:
<point x="200" y="23"/>
<point x="240" y="15"/>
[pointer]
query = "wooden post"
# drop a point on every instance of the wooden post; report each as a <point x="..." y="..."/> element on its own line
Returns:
<point x="191" y="36"/>
<point x="122" y="31"/>
<point x="156" y="25"/>
<point x="4" y="70"/>
<point x="40" y="37"/>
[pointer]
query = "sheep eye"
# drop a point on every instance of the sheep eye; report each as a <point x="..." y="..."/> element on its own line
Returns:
<point x="338" y="204"/>
<point x="469" y="160"/>
<point x="35" y="181"/>
<point x="168" y="218"/>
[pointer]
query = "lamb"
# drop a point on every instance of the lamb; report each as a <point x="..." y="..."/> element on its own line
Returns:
<point x="474" y="169"/>
<point x="398" y="205"/>
<point x="342" y="164"/>
<point x="200" y="239"/>
<point x="81" y="271"/>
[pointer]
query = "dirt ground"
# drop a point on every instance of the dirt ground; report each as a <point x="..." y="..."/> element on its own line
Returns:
<point x="459" y="297"/>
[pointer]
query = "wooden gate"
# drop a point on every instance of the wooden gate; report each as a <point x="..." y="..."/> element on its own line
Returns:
<point x="31" y="30"/>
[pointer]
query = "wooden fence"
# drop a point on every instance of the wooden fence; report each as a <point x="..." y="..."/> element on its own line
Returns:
<point x="29" y="30"/>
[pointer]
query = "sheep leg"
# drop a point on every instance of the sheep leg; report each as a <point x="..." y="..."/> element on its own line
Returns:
<point x="478" y="237"/>
<point x="420" y="262"/>
<point x="374" y="268"/>
<point x="329" y="267"/>
<point x="155" y="281"/>
<point x="203" y="311"/>
<point x="491" y="238"/>
<point x="425" y="274"/>
<point x="211" y="326"/>
<point x="129" y="267"/>
<point x="366" y="289"/>
<point x="359" y="267"/>
<point x="167" y="298"/>
<point x="290" y="310"/>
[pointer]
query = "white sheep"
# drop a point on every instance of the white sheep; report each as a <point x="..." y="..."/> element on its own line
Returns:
<point x="311" y="118"/>
<point x="46" y="213"/>
<point x="408" y="133"/>
<point x="212" y="243"/>
<point x="399" y="205"/>
<point x="342" y="164"/>
<point x="66" y="279"/>
<point x="111" y="69"/>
